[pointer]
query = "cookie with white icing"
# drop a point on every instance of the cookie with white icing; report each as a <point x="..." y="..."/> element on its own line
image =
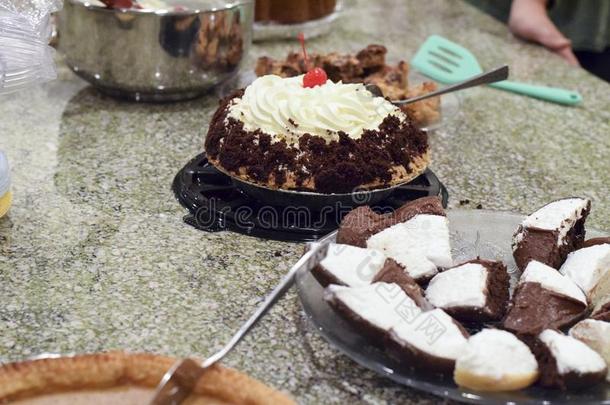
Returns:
<point x="348" y="265"/>
<point x="550" y="233"/>
<point x="589" y="268"/>
<point x="372" y="309"/>
<point x="430" y="342"/>
<point x="544" y="299"/>
<point x="495" y="360"/>
<point x="596" y="335"/>
<point x="475" y="291"/>
<point x="566" y="362"/>
<point x="420" y="245"/>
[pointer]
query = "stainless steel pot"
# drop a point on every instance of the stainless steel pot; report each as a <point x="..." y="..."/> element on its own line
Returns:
<point x="155" y="55"/>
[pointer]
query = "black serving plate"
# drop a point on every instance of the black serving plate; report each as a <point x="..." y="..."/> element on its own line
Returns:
<point x="217" y="202"/>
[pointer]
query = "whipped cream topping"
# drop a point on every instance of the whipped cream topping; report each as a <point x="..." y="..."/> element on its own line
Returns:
<point x="284" y="109"/>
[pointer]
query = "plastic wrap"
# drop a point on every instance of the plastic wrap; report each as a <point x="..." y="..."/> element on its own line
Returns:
<point x="25" y="56"/>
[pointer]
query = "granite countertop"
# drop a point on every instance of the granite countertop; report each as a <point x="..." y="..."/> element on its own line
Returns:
<point x="94" y="254"/>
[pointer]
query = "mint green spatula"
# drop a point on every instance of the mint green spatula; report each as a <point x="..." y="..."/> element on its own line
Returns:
<point x="449" y="62"/>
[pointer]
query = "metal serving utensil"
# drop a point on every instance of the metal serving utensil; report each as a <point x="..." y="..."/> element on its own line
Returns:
<point x="492" y="76"/>
<point x="177" y="384"/>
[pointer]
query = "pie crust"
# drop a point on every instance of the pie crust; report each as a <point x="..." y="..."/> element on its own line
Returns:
<point x="122" y="378"/>
<point x="399" y="176"/>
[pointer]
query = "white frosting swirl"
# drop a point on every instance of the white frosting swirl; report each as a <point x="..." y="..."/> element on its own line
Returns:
<point x="283" y="108"/>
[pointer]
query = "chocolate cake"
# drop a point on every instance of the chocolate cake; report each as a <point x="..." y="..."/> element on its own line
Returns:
<point x="392" y="272"/>
<point x="362" y="223"/>
<point x="495" y="360"/>
<point x="596" y="335"/>
<point x="330" y="138"/>
<point x="430" y="342"/>
<point x="420" y="245"/>
<point x="475" y="291"/>
<point x="567" y="363"/>
<point x="544" y="299"/>
<point x="297" y="11"/>
<point x="372" y="309"/>
<point x="589" y="268"/>
<point x="549" y="234"/>
<point x="348" y="265"/>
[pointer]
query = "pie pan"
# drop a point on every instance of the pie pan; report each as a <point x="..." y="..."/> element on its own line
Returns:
<point x="120" y="378"/>
<point x="473" y="233"/>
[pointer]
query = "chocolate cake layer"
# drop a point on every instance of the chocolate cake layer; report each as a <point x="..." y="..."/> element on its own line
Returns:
<point x="362" y="222"/>
<point x="392" y="272"/>
<point x="339" y="166"/>
<point x="534" y="309"/>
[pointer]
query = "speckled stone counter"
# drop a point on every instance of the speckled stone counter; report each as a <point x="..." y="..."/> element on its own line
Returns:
<point x="94" y="254"/>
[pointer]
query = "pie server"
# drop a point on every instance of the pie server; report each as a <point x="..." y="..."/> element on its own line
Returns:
<point x="177" y="384"/>
<point x="448" y="62"/>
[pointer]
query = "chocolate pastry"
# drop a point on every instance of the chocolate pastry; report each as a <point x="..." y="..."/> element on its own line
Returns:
<point x="544" y="299"/>
<point x="589" y="268"/>
<point x="362" y="223"/>
<point x="348" y="265"/>
<point x="475" y="291"/>
<point x="566" y="363"/>
<point x="392" y="272"/>
<point x="430" y="342"/>
<point x="549" y="234"/>
<point x="596" y="335"/>
<point x="372" y="309"/>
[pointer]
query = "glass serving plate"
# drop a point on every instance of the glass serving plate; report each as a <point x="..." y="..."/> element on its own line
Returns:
<point x="473" y="233"/>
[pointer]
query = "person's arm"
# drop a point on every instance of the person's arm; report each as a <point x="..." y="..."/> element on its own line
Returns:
<point x="529" y="20"/>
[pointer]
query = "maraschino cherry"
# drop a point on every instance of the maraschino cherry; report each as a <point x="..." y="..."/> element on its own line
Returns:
<point x="316" y="76"/>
